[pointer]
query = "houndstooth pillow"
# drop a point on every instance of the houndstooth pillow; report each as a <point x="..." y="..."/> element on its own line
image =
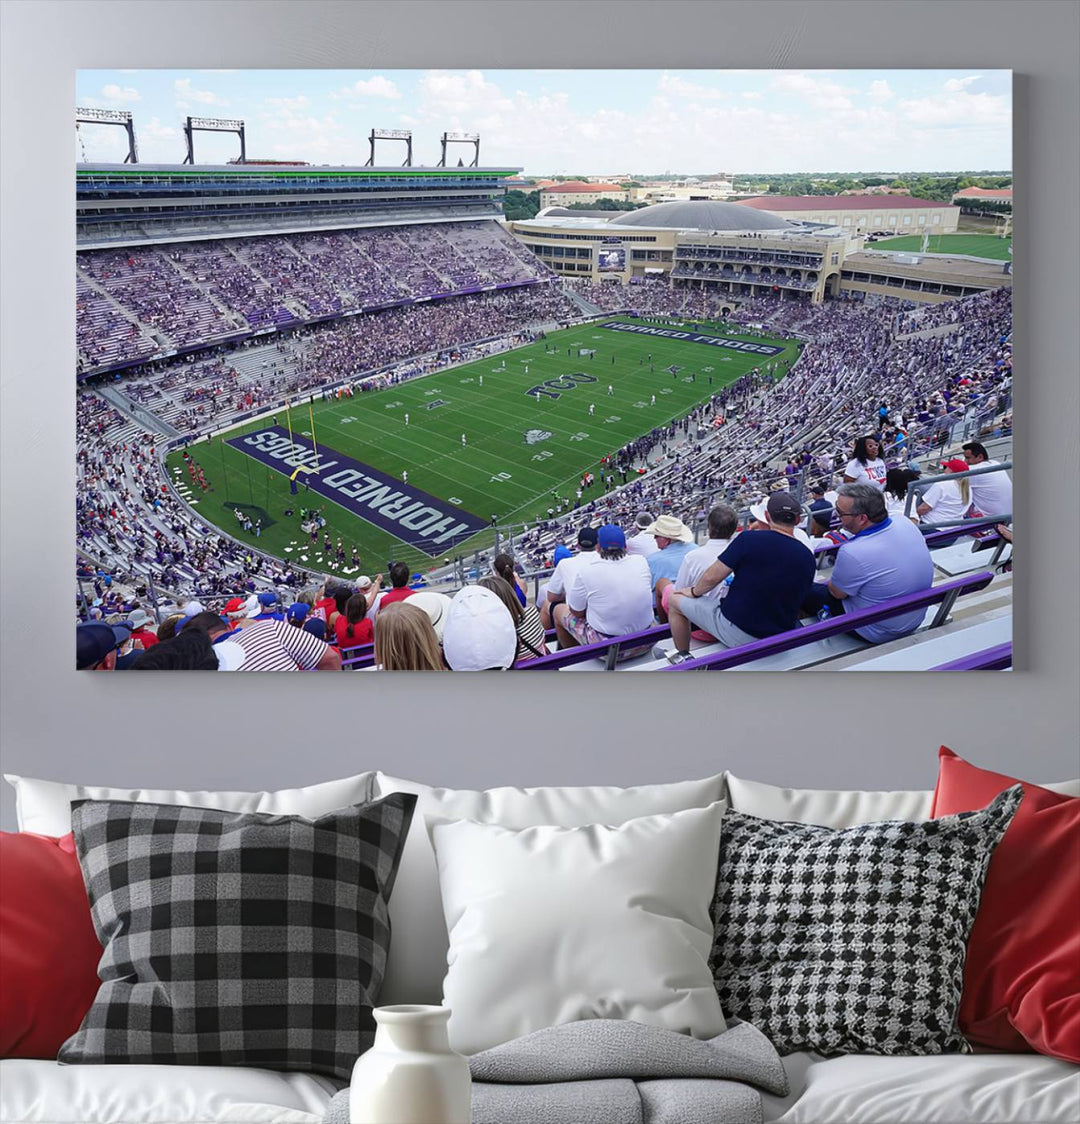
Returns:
<point x="851" y="941"/>
<point x="236" y="939"/>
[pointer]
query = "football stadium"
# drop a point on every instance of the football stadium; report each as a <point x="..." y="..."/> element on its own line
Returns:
<point x="308" y="393"/>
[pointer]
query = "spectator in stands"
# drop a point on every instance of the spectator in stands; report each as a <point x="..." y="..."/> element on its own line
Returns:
<point x="820" y="510"/>
<point x="610" y="598"/>
<point x="562" y="551"/>
<point x="265" y="646"/>
<point x="561" y="580"/>
<point x="773" y="574"/>
<point x="503" y="565"/>
<point x="759" y="521"/>
<point x="405" y="640"/>
<point x="722" y="523"/>
<point x="674" y="541"/>
<point x="399" y="585"/>
<point x="190" y="650"/>
<point x="167" y="629"/>
<point x="141" y="629"/>
<point x="97" y="645"/>
<point x="530" y="632"/>
<point x="435" y="605"/>
<point x="352" y="628"/>
<point x="991" y="492"/>
<point x="866" y="466"/>
<point x="268" y="608"/>
<point x="946" y="500"/>
<point x="897" y="483"/>
<point x="296" y="613"/>
<point x="641" y="542"/>
<point x="479" y="633"/>
<point x="885" y="558"/>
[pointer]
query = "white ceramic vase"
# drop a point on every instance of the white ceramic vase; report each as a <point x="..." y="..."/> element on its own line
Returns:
<point x="410" y="1075"/>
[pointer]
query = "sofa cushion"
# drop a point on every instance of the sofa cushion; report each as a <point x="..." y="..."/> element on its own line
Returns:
<point x="851" y="941"/>
<point x="48" y="950"/>
<point x="42" y="1092"/>
<point x="45" y="806"/>
<point x="551" y="925"/>
<point x="838" y="807"/>
<point x="954" y="1089"/>
<point x="417" y="964"/>
<point x="1022" y="975"/>
<point x="236" y="939"/>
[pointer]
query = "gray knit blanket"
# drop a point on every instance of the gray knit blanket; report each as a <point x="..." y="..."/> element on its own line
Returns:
<point x="607" y="1071"/>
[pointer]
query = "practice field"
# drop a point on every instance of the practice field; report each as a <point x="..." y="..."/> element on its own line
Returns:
<point x="533" y="421"/>
<point x="971" y="245"/>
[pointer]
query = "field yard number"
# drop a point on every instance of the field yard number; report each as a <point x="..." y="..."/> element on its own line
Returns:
<point x="305" y="432"/>
<point x="579" y="436"/>
<point x="543" y="455"/>
<point x="667" y="389"/>
<point x="640" y="405"/>
<point x="468" y="380"/>
<point x="346" y="421"/>
<point x="427" y="393"/>
<point x="500" y="477"/>
<point x="455" y="499"/>
<point x="392" y="405"/>
<point x="549" y="387"/>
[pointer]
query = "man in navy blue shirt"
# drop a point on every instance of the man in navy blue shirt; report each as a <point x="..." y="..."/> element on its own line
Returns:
<point x="772" y="572"/>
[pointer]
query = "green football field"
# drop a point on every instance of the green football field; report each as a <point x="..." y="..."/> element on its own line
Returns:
<point x="972" y="245"/>
<point x="521" y="449"/>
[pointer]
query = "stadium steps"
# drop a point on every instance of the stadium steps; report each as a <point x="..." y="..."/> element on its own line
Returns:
<point x="230" y="314"/>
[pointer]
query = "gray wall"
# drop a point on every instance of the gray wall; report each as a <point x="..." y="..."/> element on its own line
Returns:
<point x="869" y="730"/>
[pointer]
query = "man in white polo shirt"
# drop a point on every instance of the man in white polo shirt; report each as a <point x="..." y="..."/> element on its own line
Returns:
<point x="563" y="577"/>
<point x="991" y="492"/>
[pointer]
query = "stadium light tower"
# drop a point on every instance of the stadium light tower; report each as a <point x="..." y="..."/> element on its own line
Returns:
<point x="391" y="134"/>
<point x="461" y="138"/>
<point x="212" y="125"/>
<point x="110" y="117"/>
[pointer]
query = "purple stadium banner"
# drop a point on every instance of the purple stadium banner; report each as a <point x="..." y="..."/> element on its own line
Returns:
<point x="694" y="337"/>
<point x="415" y="517"/>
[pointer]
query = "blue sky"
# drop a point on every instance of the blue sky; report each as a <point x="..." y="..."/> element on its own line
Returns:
<point x="590" y="122"/>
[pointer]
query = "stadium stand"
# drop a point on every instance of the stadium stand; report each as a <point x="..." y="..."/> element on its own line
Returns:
<point x="190" y="336"/>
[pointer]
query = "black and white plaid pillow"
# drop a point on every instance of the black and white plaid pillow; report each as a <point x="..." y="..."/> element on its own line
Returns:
<point x="237" y="939"/>
<point x="851" y="941"/>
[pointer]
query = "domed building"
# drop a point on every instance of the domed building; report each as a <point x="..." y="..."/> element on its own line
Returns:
<point x="697" y="243"/>
<point x="703" y="214"/>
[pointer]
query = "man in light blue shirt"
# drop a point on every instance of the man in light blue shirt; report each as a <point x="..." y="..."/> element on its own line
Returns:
<point x="886" y="558"/>
<point x="674" y="541"/>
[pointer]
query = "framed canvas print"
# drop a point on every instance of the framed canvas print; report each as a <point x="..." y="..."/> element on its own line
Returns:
<point x="617" y="370"/>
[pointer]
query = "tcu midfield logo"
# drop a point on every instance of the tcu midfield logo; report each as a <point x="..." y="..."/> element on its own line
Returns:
<point x="551" y="387"/>
<point x="535" y="436"/>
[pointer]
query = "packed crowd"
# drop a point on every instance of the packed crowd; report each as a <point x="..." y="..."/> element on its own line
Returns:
<point x="143" y="301"/>
<point x="853" y="377"/>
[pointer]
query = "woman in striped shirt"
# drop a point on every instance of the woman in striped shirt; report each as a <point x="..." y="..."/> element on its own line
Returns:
<point x="527" y="624"/>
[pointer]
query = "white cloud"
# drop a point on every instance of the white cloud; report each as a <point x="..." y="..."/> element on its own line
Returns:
<point x="956" y="85"/>
<point x="185" y="93"/>
<point x="679" y="88"/>
<point x="880" y="91"/>
<point x="376" y="87"/>
<point x="959" y="111"/>
<point x="120" y="95"/>
<point x="299" y="102"/>
<point x="750" y="95"/>
<point x="818" y="93"/>
<point x="156" y="129"/>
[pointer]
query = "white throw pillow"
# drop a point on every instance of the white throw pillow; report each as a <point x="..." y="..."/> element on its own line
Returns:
<point x="418" y="942"/>
<point x="551" y="925"/>
<point x="839" y="808"/>
<point x="44" y="807"/>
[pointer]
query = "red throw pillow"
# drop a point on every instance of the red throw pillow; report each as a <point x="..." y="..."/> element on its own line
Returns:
<point x="48" y="951"/>
<point x="1021" y="979"/>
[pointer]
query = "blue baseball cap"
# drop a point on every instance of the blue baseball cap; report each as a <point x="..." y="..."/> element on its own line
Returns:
<point x="562" y="551"/>
<point x="297" y="611"/>
<point x="268" y="598"/>
<point x="610" y="537"/>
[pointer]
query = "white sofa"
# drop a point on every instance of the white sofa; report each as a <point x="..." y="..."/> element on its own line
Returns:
<point x="976" y="1088"/>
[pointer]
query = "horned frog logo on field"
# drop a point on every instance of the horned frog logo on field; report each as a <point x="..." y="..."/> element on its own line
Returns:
<point x="535" y="436"/>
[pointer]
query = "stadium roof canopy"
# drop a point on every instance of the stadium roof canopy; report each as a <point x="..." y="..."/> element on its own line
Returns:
<point x="702" y="214"/>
